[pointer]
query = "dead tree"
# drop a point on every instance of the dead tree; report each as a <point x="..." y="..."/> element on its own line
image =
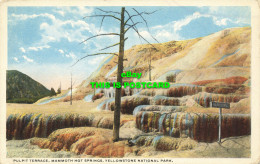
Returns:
<point x="70" y="88"/>
<point x="123" y="30"/>
<point x="71" y="85"/>
<point x="94" y="92"/>
<point x="150" y="65"/>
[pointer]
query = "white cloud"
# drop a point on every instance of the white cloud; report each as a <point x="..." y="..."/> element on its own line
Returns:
<point x="184" y="22"/>
<point x="170" y="31"/>
<point x="95" y="60"/>
<point x="221" y="22"/>
<point x="164" y="34"/>
<point x="58" y="30"/>
<point x="145" y="34"/>
<point x="71" y="55"/>
<point x="42" y="47"/>
<point x="179" y="24"/>
<point x="51" y="38"/>
<point x="84" y="10"/>
<point x="26" y="16"/>
<point x="16" y="59"/>
<point x="38" y="48"/>
<point x="214" y="9"/>
<point x="72" y="30"/>
<point x="22" y="49"/>
<point x="81" y="11"/>
<point x="62" y="13"/>
<point x="27" y="59"/>
<point x="33" y="48"/>
<point x="61" y="51"/>
<point x="234" y="14"/>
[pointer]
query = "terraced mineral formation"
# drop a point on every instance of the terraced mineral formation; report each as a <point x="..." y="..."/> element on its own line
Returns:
<point x="200" y="127"/>
<point x="84" y="140"/>
<point x="39" y="125"/>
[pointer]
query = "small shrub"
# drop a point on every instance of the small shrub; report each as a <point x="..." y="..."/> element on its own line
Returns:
<point x="171" y="78"/>
<point x="97" y="96"/>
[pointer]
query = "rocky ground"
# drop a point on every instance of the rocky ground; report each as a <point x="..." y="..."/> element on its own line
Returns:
<point x="23" y="149"/>
<point x="238" y="147"/>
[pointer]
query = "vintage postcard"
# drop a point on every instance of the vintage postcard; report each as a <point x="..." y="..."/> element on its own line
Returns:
<point x="136" y="82"/>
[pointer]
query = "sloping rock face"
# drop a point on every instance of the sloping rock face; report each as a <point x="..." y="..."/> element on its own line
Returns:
<point x="98" y="142"/>
<point x="176" y="90"/>
<point x="84" y="140"/>
<point x="200" y="127"/>
<point x="204" y="99"/>
<point x="165" y="143"/>
<point x="224" y="54"/>
<point x="159" y="108"/>
<point x="228" y="81"/>
<point x="128" y="103"/>
<point x="39" y="125"/>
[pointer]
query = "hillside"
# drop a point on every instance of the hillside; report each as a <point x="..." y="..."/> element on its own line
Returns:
<point x="217" y="56"/>
<point x="178" y="121"/>
<point x="23" y="89"/>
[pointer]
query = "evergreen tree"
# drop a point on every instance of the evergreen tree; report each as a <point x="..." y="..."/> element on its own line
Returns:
<point x="53" y="93"/>
<point x="58" y="91"/>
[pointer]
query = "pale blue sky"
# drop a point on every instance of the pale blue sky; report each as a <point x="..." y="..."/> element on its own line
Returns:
<point x="43" y="42"/>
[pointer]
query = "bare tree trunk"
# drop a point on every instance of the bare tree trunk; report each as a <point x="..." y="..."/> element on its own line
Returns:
<point x="150" y="65"/>
<point x="71" y="90"/>
<point x="60" y="86"/>
<point x="116" y="125"/>
<point x="123" y="23"/>
<point x="150" y="69"/>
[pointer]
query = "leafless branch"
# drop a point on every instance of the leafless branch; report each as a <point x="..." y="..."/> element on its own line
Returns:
<point x="112" y="45"/>
<point x="145" y="39"/>
<point x="146" y="24"/>
<point x="103" y="16"/>
<point x="97" y="36"/>
<point x="131" y="26"/>
<point x="136" y="30"/>
<point x="101" y="23"/>
<point x="74" y="83"/>
<point x="109" y="46"/>
<point x="108" y="11"/>
<point x="131" y="16"/>
<point x="103" y="53"/>
<point x="133" y="23"/>
<point x="150" y="12"/>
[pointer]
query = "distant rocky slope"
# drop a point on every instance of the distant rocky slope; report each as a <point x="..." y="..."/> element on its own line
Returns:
<point x="217" y="56"/>
<point x="21" y="88"/>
